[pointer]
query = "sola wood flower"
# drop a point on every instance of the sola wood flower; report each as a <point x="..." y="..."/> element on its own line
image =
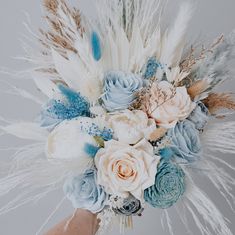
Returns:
<point x="168" y="188"/>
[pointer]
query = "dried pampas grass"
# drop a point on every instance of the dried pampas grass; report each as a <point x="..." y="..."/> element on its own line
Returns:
<point x="217" y="101"/>
<point x="197" y="88"/>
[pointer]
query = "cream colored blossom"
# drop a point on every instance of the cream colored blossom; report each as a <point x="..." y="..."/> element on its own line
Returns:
<point x="131" y="126"/>
<point x="125" y="169"/>
<point x="168" y="105"/>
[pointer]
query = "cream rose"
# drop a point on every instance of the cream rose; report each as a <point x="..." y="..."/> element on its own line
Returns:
<point x="168" y="105"/>
<point x="131" y="126"/>
<point x="125" y="169"/>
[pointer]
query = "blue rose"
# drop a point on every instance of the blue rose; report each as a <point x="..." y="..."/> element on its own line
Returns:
<point x="169" y="186"/>
<point x="120" y="90"/>
<point x="199" y="116"/>
<point x="131" y="206"/>
<point x="84" y="192"/>
<point x="185" y="142"/>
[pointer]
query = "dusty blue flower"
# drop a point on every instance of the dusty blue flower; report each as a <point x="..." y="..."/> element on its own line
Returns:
<point x="120" y="90"/>
<point x="199" y="116"/>
<point x="184" y="141"/>
<point x="169" y="186"/>
<point x="131" y="206"/>
<point x="84" y="192"/>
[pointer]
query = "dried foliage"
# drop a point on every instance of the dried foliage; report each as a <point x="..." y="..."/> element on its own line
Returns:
<point x="60" y="36"/>
<point x="217" y="101"/>
<point x="187" y="64"/>
<point x="197" y="88"/>
<point x="158" y="134"/>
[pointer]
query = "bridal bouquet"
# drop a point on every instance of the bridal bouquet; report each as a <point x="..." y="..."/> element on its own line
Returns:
<point x="126" y="122"/>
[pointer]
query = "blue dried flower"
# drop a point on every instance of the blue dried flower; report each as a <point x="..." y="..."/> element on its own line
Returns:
<point x="84" y="192"/>
<point x="169" y="186"/>
<point x="151" y="68"/>
<point x="73" y="105"/>
<point x="120" y="90"/>
<point x="185" y="141"/>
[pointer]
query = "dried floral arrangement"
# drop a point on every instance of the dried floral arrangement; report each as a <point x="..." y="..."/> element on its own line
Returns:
<point x="126" y="121"/>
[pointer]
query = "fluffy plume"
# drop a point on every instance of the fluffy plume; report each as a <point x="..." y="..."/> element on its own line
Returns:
<point x="30" y="131"/>
<point x="217" y="101"/>
<point x="174" y="39"/>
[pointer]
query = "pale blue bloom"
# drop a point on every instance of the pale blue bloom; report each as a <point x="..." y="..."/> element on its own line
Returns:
<point x="131" y="206"/>
<point x="185" y="142"/>
<point x="120" y="90"/>
<point x="84" y="192"/>
<point x="199" y="116"/>
<point x="72" y="105"/>
<point x="169" y="186"/>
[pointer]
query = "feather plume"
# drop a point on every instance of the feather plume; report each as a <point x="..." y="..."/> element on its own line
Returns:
<point x="173" y="41"/>
<point x="24" y="130"/>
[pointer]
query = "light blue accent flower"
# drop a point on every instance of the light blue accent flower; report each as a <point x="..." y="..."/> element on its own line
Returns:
<point x="120" y="90"/>
<point x="84" y="192"/>
<point x="151" y="68"/>
<point x="185" y="141"/>
<point x="93" y="130"/>
<point x="199" y="116"/>
<point x="72" y="105"/>
<point x="169" y="186"/>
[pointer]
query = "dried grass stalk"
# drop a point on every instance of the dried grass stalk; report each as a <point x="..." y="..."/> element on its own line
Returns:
<point x="158" y="134"/>
<point x="197" y="88"/>
<point x="60" y="36"/>
<point x="217" y="101"/>
<point x="187" y="64"/>
<point x="51" y="6"/>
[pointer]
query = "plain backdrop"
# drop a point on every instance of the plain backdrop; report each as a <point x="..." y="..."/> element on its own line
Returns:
<point x="211" y="18"/>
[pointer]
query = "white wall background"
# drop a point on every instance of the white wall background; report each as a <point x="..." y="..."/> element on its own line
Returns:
<point x="212" y="17"/>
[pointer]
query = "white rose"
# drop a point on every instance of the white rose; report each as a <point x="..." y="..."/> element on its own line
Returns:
<point x="131" y="126"/>
<point x="168" y="105"/>
<point x="125" y="169"/>
<point x="68" y="139"/>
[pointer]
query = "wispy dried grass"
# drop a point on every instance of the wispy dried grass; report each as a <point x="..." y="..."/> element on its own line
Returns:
<point x="51" y="6"/>
<point x="188" y="63"/>
<point x="217" y="101"/>
<point x="197" y="88"/>
<point x="59" y="36"/>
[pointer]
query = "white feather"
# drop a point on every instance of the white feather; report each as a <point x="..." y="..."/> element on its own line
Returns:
<point x="45" y="85"/>
<point x="26" y="130"/>
<point x="173" y="44"/>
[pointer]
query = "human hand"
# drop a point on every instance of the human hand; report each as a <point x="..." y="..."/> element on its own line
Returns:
<point x="82" y="223"/>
